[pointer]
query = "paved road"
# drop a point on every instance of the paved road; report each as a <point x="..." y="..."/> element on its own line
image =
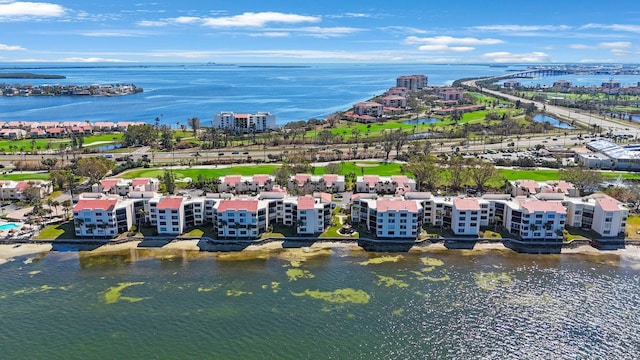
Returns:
<point x="616" y="126"/>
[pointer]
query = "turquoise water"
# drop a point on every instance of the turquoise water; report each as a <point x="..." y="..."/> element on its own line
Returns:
<point x="9" y="226"/>
<point x="329" y="304"/>
<point x="553" y="121"/>
<point x="421" y="121"/>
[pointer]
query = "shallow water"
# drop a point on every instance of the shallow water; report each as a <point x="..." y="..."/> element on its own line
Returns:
<point x="338" y="303"/>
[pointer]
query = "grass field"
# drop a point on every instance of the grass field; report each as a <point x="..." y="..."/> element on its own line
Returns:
<point x="359" y="168"/>
<point x="52" y="232"/>
<point x="18" y="176"/>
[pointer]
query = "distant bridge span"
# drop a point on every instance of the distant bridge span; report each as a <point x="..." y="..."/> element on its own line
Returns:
<point x="532" y="73"/>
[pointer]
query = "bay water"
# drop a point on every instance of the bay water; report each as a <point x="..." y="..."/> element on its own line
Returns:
<point x="339" y="303"/>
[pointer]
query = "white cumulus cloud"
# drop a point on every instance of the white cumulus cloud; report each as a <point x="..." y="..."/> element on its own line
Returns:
<point x="4" y="47"/>
<point x="615" y="45"/>
<point x="259" y="19"/>
<point x="445" y="48"/>
<point x="22" y="9"/>
<point x="449" y="40"/>
<point x="507" y="57"/>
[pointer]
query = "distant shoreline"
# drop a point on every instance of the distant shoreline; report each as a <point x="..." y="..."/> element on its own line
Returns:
<point x="30" y="76"/>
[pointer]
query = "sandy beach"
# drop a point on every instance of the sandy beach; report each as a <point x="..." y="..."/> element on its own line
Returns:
<point x="11" y="251"/>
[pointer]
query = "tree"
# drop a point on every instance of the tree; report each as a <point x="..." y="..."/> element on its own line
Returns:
<point x="282" y="175"/>
<point x="355" y="134"/>
<point x="50" y="163"/>
<point x="59" y="178"/>
<point x="139" y="135"/>
<point x="387" y="143"/>
<point x="194" y="122"/>
<point x="585" y="180"/>
<point x="166" y="138"/>
<point x="425" y="170"/>
<point x="458" y="172"/>
<point x="31" y="195"/>
<point x="480" y="172"/>
<point x="332" y="168"/>
<point x="169" y="182"/>
<point x="95" y="168"/>
<point x="399" y="139"/>
<point x="66" y="206"/>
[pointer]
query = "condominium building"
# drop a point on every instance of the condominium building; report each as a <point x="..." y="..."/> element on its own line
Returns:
<point x="245" y="123"/>
<point x="530" y="187"/>
<point x="241" y="218"/>
<point x="394" y="101"/>
<point x="449" y="93"/>
<point x="15" y="190"/>
<point x="306" y="184"/>
<point x="123" y="187"/>
<point x="168" y="214"/>
<point x="102" y="217"/>
<point x="368" y="108"/>
<point x="598" y="212"/>
<point x="384" y="184"/>
<point x="532" y="219"/>
<point x="385" y="217"/>
<point x="243" y="184"/>
<point x="313" y="215"/>
<point x="412" y="82"/>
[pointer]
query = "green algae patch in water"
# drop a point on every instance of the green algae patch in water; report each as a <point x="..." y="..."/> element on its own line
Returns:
<point x="398" y="312"/>
<point x="34" y="272"/>
<point x="340" y="296"/>
<point x="295" y="273"/>
<point x="236" y="293"/>
<point x="382" y="259"/>
<point x="388" y="281"/>
<point x="41" y="289"/>
<point x="436" y="279"/>
<point x="431" y="262"/>
<point x="492" y="280"/>
<point x="208" y="289"/>
<point x="114" y="294"/>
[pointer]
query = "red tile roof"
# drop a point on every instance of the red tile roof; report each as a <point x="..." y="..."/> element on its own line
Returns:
<point x="20" y="186"/>
<point x="608" y="203"/>
<point x="397" y="205"/>
<point x="330" y="179"/>
<point x="232" y="180"/>
<point x="464" y="204"/>
<point x="140" y="181"/>
<point x="400" y="180"/>
<point x="170" y="202"/>
<point x="95" y="204"/>
<point x="261" y="179"/>
<point x="306" y="203"/>
<point x="235" y="205"/>
<point x="543" y="206"/>
<point x="325" y="197"/>
<point x="108" y="184"/>
<point x="529" y="185"/>
<point x="301" y="178"/>
<point x="372" y="180"/>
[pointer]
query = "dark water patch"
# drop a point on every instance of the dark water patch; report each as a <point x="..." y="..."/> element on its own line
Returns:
<point x="553" y="121"/>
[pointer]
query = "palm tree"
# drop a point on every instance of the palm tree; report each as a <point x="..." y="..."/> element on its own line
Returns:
<point x="66" y="206"/>
<point x="55" y="204"/>
<point x="141" y="215"/>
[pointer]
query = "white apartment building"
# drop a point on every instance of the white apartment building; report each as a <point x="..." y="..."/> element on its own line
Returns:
<point x="598" y="212"/>
<point x="305" y="183"/>
<point x="532" y="219"/>
<point x="385" y="184"/>
<point x="243" y="184"/>
<point x="530" y="187"/>
<point x="388" y="217"/>
<point x="464" y="216"/>
<point x="449" y="93"/>
<point x="102" y="217"/>
<point x="241" y="218"/>
<point x="313" y="215"/>
<point x="123" y="187"/>
<point x="168" y="214"/>
<point x="394" y="101"/>
<point x="245" y="123"/>
<point x="368" y="108"/>
<point x="412" y="82"/>
<point x="14" y="190"/>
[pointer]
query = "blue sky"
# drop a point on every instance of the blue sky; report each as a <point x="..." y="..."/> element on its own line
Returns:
<point x="560" y="31"/>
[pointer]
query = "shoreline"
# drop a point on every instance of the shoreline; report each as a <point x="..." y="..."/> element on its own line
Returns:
<point x="8" y="252"/>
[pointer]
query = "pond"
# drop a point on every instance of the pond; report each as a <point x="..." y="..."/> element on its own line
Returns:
<point x="420" y="135"/>
<point x="553" y="121"/>
<point x="109" y="147"/>
<point x="422" y="121"/>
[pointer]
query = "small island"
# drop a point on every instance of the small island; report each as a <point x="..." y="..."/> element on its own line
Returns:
<point x="69" y="90"/>
<point x="30" y="76"/>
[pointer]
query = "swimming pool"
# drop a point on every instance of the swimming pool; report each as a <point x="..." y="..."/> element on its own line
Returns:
<point x="9" y="226"/>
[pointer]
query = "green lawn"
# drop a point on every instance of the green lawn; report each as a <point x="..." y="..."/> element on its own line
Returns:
<point x="18" y="176"/>
<point x="208" y="172"/>
<point x="52" y="232"/>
